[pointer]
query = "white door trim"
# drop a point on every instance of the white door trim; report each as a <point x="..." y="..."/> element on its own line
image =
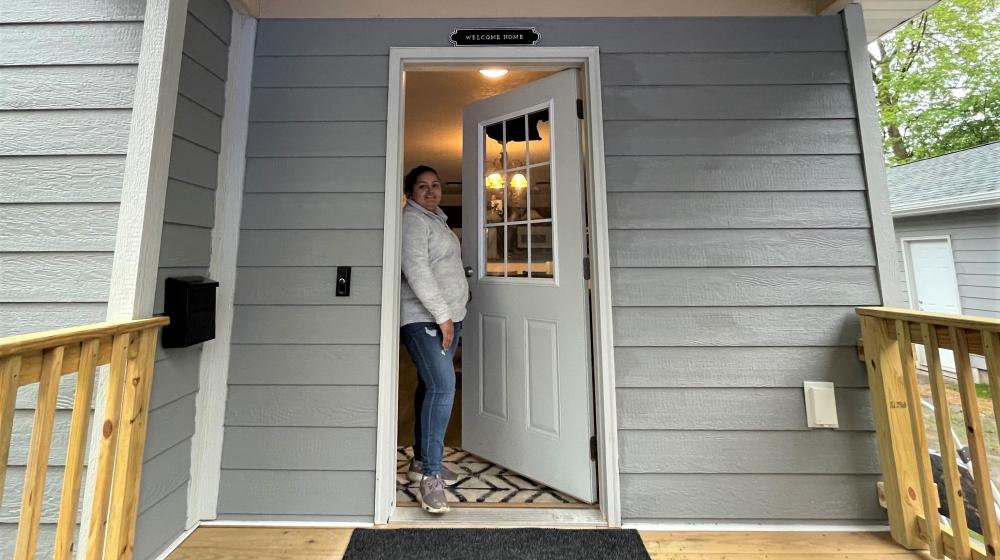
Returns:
<point x="603" y="355"/>
<point x="908" y="266"/>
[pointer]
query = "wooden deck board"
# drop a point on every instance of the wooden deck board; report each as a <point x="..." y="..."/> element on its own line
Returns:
<point x="218" y="543"/>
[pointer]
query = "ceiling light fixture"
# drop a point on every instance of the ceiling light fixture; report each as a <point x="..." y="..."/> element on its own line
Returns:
<point x="493" y="72"/>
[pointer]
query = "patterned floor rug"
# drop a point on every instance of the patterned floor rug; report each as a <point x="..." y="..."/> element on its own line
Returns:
<point x="479" y="482"/>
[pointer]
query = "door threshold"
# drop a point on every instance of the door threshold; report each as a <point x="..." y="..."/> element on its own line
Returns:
<point x="499" y="517"/>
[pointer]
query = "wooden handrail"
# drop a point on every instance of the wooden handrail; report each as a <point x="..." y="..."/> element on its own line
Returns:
<point x="129" y="348"/>
<point x="889" y="337"/>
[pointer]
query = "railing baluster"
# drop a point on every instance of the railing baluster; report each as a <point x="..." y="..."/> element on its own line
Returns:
<point x="108" y="446"/>
<point x="952" y="482"/>
<point x="928" y="492"/>
<point x="991" y="350"/>
<point x="132" y="442"/>
<point x="977" y="445"/>
<point x="10" y="369"/>
<point x="79" y="426"/>
<point x="38" y="454"/>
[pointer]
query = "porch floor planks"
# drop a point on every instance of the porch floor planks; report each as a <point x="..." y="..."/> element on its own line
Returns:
<point x="267" y="543"/>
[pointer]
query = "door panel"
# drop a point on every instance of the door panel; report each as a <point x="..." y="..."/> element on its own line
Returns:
<point x="527" y="397"/>
<point x="934" y="285"/>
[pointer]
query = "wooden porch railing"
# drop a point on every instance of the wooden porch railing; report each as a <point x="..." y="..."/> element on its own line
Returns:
<point x="911" y="495"/>
<point x="43" y="358"/>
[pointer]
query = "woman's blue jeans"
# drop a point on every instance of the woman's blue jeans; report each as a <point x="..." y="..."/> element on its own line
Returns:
<point x="437" y="373"/>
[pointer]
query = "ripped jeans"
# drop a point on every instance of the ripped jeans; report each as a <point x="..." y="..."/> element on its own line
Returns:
<point x="436" y="369"/>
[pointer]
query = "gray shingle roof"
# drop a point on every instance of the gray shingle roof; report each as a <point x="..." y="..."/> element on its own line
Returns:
<point x="975" y="171"/>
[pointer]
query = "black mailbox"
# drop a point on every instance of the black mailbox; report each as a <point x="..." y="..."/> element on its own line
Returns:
<point x="189" y="301"/>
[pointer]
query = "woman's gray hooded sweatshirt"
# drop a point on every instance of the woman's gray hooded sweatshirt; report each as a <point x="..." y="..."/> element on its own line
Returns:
<point x="434" y="288"/>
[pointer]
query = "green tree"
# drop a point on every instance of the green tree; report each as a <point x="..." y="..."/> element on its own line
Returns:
<point x="937" y="80"/>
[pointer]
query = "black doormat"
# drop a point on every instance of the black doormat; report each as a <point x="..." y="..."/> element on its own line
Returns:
<point x="496" y="544"/>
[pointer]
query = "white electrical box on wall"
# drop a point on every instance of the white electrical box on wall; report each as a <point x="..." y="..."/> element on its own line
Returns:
<point x="821" y="404"/>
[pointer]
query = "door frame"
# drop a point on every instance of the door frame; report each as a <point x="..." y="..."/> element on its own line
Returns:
<point x="909" y="269"/>
<point x="606" y="425"/>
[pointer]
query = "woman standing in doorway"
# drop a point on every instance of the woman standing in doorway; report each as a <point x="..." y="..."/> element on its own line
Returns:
<point x="432" y="306"/>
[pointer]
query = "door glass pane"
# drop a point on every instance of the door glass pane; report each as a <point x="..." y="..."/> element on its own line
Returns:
<point x="538" y="130"/>
<point x="517" y="252"/>
<point x="517" y="197"/>
<point x="493" y="148"/>
<point x="542" y="265"/>
<point x="516" y="142"/>
<point x="541" y="192"/>
<point x="494" y="251"/>
<point x="493" y="184"/>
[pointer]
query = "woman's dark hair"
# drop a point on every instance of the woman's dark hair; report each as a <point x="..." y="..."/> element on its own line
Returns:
<point x="411" y="178"/>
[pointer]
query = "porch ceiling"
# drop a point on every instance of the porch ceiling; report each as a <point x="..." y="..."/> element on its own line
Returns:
<point x="880" y="15"/>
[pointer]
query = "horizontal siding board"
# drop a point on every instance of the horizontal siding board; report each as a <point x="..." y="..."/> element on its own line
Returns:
<point x="55" y="227"/>
<point x="735" y="173"/>
<point x="169" y="425"/>
<point x="310" y="248"/>
<point x="701" y="248"/>
<point x="189" y="205"/>
<point x="977" y="256"/>
<point x="277" y="285"/>
<point x="82" y="132"/>
<point x="724" y="68"/>
<point x="67" y="87"/>
<point x="27" y="395"/>
<point x="46" y="540"/>
<point x="698" y="287"/>
<point x="32" y="11"/>
<point x="20" y="440"/>
<point x="739" y="409"/>
<point x="274" y="493"/>
<point x="612" y="35"/>
<point x="185" y="246"/>
<point x="200" y="85"/>
<point x="980" y="244"/>
<point x="161" y="524"/>
<point x="321" y="71"/>
<point x="312" y="324"/>
<point x="298" y="139"/>
<point x="215" y="14"/>
<point x="738" y="367"/>
<point x="737" y="210"/>
<point x="731" y="137"/>
<point x="313" y="211"/>
<point x="176" y="376"/>
<point x="315" y="364"/>
<point x="977" y="268"/>
<point x="197" y="124"/>
<point x="730" y="452"/>
<point x="319" y="104"/>
<point x="14" y="490"/>
<point x="24" y="318"/>
<point x="55" y="277"/>
<point x="735" y="326"/>
<point x="163" y="474"/>
<point x="980" y="280"/>
<point x="205" y="47"/>
<point x="728" y="102"/>
<point x="318" y="449"/>
<point x="331" y="174"/>
<point x="193" y="164"/>
<point x="70" y="43"/>
<point x="61" y="178"/>
<point x="792" y="497"/>
<point x="292" y="406"/>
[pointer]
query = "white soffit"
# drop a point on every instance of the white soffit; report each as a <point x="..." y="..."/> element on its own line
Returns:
<point x="880" y="15"/>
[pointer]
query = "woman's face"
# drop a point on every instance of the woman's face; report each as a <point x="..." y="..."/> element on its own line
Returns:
<point x="427" y="191"/>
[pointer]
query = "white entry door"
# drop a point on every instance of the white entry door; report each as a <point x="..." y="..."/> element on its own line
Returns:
<point x="526" y="379"/>
<point x="933" y="283"/>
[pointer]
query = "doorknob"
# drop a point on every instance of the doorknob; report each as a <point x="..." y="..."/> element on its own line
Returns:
<point x="468" y="272"/>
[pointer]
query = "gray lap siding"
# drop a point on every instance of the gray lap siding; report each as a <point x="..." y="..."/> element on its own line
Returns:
<point x="740" y="241"/>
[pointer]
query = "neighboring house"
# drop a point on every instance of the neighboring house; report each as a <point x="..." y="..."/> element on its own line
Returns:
<point x="946" y="212"/>
<point x="736" y="214"/>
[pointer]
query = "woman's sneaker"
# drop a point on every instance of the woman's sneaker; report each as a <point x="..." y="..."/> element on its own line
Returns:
<point x="433" y="498"/>
<point x="416" y="473"/>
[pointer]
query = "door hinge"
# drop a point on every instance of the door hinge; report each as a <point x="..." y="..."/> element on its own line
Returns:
<point x="579" y="108"/>
<point x="593" y="448"/>
<point x="586" y="268"/>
